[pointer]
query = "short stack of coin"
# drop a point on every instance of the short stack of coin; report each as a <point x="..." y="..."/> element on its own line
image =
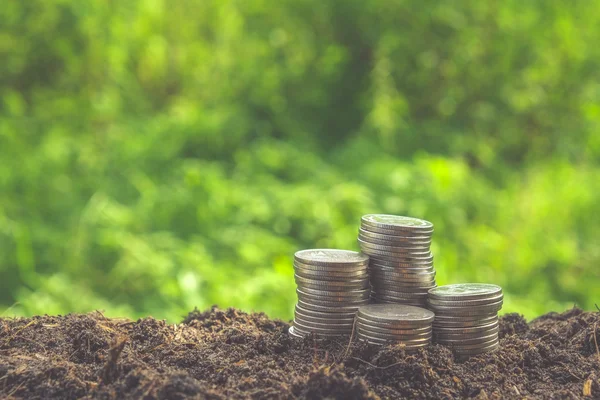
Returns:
<point x="401" y="264"/>
<point x="395" y="323"/>
<point x="332" y="285"/>
<point x="466" y="317"/>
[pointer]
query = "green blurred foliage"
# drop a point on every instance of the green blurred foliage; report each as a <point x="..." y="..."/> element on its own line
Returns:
<point x="160" y="155"/>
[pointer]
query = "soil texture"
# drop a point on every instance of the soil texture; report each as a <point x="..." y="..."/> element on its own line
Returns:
<point x="228" y="354"/>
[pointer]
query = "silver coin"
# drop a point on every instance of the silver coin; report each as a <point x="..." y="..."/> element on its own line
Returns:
<point x="418" y="269"/>
<point x="406" y="302"/>
<point x="466" y="330"/>
<point x="330" y="285"/>
<point x="428" y="279"/>
<point x="337" y="294"/>
<point x="408" y="333"/>
<point x="333" y="303"/>
<point x="386" y="340"/>
<point x="399" y="273"/>
<point x="399" y="325"/>
<point x="465" y="340"/>
<point x="419" y="251"/>
<point x="294" y="334"/>
<point x="299" y="326"/>
<point x="401" y="258"/>
<point x="396" y="223"/>
<point x="469" y="320"/>
<point x="329" y="308"/>
<point x="324" y="324"/>
<point x="367" y="235"/>
<point x="339" y="300"/>
<point x="488" y="308"/>
<point x="331" y="268"/>
<point x="381" y="263"/>
<point x="378" y="335"/>
<point x="465" y="336"/>
<point x="319" y="336"/>
<point x="466" y="303"/>
<point x="327" y="257"/>
<point x="389" y="232"/>
<point x="331" y="276"/>
<point x="395" y="312"/>
<point x="465" y="291"/>
<point x="317" y="320"/>
<point x="405" y="246"/>
<point x="460" y="325"/>
<point x="405" y="299"/>
<point x="401" y="287"/>
<point x="422" y="245"/>
<point x="380" y="291"/>
<point x="327" y="316"/>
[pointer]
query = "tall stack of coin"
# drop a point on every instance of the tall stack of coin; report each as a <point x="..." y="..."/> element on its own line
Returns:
<point x="466" y="317"/>
<point x="398" y="323"/>
<point x="332" y="285"/>
<point x="401" y="263"/>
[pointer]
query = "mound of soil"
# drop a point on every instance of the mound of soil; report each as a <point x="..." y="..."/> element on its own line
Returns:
<point x="230" y="354"/>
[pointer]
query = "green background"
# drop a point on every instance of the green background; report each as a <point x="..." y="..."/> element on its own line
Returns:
<point x="160" y="155"/>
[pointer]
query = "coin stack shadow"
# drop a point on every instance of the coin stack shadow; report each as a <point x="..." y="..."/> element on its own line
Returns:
<point x="466" y="317"/>
<point x="400" y="261"/>
<point x="332" y="285"/>
<point x="397" y="323"/>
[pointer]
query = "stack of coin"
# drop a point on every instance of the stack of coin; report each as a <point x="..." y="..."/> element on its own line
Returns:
<point x="332" y="285"/>
<point x="466" y="317"/>
<point x="397" y="323"/>
<point x="401" y="263"/>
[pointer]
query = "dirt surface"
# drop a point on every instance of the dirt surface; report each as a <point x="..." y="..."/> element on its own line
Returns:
<point x="230" y="354"/>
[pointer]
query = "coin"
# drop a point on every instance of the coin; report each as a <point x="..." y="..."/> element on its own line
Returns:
<point x="327" y="316"/>
<point x="465" y="291"/>
<point x="389" y="247"/>
<point x="399" y="258"/>
<point x="333" y="302"/>
<point x="327" y="257"/>
<point x="367" y="235"/>
<point x="300" y="327"/>
<point x="465" y="336"/>
<point x="330" y="308"/>
<point x="467" y="329"/>
<point x="486" y="309"/>
<point x="396" y="223"/>
<point x="331" y="276"/>
<point x="396" y="264"/>
<point x="293" y="333"/>
<point x="350" y="284"/>
<point x="465" y="303"/>
<point x="414" y="333"/>
<point x="330" y="268"/>
<point x="385" y="313"/>
<point x="328" y="293"/>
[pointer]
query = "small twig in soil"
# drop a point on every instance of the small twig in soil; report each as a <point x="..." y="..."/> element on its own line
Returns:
<point x="597" y="308"/>
<point x="596" y="341"/>
<point x="15" y="390"/>
<point x="376" y="366"/>
<point x="569" y="371"/>
<point x="109" y="371"/>
<point x="350" y="341"/>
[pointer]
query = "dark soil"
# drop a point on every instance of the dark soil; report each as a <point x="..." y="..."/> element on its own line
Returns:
<point x="230" y="354"/>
